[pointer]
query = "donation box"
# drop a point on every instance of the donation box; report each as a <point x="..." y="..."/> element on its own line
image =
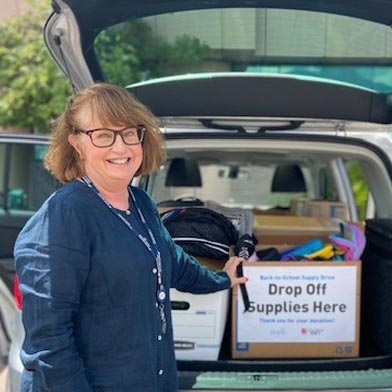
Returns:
<point x="298" y="310"/>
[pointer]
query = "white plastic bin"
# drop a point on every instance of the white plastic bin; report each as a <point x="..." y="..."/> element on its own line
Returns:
<point x="198" y="328"/>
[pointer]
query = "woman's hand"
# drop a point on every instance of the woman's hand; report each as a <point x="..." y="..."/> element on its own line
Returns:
<point x="231" y="269"/>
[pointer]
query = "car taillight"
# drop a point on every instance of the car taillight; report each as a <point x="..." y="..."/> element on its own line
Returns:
<point x="17" y="293"/>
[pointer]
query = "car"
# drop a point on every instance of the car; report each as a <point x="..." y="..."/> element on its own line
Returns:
<point x="281" y="109"/>
<point x="24" y="185"/>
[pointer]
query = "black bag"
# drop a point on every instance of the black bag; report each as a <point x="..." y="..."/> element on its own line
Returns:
<point x="201" y="231"/>
<point x="376" y="298"/>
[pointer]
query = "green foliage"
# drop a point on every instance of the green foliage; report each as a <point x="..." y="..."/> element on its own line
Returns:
<point x="131" y="52"/>
<point x="360" y="188"/>
<point x="32" y="89"/>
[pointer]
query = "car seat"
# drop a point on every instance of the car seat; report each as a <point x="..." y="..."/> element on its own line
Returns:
<point x="183" y="172"/>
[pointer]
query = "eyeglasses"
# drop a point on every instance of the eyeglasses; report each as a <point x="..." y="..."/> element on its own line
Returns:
<point x="105" y="137"/>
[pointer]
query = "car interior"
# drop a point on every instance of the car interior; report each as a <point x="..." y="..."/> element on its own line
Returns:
<point x="185" y="173"/>
<point x="271" y="182"/>
<point x="259" y="182"/>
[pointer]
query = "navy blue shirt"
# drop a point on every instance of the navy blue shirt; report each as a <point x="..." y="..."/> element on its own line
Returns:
<point x="89" y="289"/>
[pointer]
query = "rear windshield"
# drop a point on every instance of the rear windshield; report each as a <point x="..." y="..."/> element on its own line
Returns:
<point x="272" y="41"/>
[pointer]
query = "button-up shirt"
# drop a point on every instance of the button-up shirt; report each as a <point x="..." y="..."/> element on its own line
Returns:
<point x="89" y="289"/>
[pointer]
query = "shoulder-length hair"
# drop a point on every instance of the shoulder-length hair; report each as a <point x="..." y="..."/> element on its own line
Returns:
<point x="111" y="105"/>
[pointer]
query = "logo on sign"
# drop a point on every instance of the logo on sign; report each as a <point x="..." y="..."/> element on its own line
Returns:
<point x="278" y="332"/>
<point x="311" y="331"/>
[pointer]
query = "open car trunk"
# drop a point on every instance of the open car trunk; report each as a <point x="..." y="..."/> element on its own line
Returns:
<point x="372" y="367"/>
<point x="256" y="84"/>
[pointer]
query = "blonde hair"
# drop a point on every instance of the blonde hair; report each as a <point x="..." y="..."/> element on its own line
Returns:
<point x="111" y="105"/>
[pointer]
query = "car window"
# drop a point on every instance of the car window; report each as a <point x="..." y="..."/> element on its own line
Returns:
<point x="2" y="171"/>
<point x="25" y="183"/>
<point x="277" y="41"/>
<point x="360" y="187"/>
<point x="248" y="185"/>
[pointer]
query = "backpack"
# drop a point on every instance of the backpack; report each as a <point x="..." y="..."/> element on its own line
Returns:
<point x="201" y="231"/>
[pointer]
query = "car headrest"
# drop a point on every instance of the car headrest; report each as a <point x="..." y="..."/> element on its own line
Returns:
<point x="288" y="178"/>
<point x="183" y="172"/>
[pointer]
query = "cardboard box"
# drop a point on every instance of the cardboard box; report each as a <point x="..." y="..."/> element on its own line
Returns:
<point x="273" y="211"/>
<point x="212" y="264"/>
<point x="199" y="320"/>
<point x="298" y="310"/>
<point x="319" y="208"/>
<point x="292" y="229"/>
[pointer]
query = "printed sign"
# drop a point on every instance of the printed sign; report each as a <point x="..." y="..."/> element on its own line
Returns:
<point x="298" y="304"/>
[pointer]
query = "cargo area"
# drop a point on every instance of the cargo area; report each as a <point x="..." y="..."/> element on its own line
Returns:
<point x="301" y="199"/>
<point x="370" y="279"/>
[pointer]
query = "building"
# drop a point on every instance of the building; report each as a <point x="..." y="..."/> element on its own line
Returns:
<point x="12" y="8"/>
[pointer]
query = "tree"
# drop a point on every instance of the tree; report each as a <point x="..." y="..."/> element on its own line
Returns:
<point x="360" y="188"/>
<point x="132" y="52"/>
<point x="32" y="88"/>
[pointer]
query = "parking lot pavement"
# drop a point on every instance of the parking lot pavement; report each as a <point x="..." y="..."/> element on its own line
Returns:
<point x="3" y="374"/>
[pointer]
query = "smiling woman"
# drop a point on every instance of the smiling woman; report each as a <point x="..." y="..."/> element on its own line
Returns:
<point x="109" y="161"/>
<point x="243" y="90"/>
<point x="95" y="263"/>
<point x="90" y="112"/>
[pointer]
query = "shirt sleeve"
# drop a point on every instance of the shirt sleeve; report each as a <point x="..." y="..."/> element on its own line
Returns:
<point x="52" y="264"/>
<point x="189" y="275"/>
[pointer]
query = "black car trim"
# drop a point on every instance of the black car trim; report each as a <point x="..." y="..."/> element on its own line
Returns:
<point x="110" y="12"/>
<point x="253" y="95"/>
<point x="282" y="365"/>
<point x="213" y="124"/>
<point x="6" y="178"/>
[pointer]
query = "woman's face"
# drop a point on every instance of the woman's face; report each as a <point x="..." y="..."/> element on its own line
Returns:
<point x="116" y="164"/>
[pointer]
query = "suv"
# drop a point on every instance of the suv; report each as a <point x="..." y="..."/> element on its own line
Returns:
<point x="265" y="108"/>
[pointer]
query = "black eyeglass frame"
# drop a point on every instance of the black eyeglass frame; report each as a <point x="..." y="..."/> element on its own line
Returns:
<point x="140" y="129"/>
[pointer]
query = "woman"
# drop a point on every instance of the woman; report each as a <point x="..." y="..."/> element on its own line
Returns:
<point x="95" y="263"/>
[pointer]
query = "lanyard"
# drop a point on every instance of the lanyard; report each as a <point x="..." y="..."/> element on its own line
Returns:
<point x="151" y="245"/>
